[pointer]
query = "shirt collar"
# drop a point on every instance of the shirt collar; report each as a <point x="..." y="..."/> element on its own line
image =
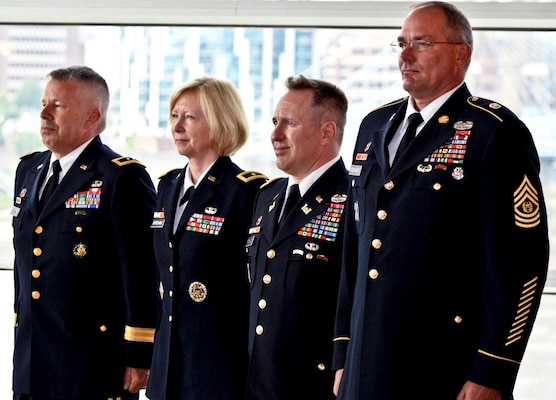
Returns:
<point x="187" y="181"/>
<point x="67" y="161"/>
<point x="310" y="179"/>
<point x="428" y="112"/>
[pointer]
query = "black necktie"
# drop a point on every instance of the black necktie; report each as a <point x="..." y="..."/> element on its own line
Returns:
<point x="293" y="198"/>
<point x="414" y="120"/>
<point x="52" y="182"/>
<point x="187" y="195"/>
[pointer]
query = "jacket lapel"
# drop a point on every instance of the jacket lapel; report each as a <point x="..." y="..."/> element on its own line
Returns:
<point x="36" y="177"/>
<point x="205" y="190"/>
<point x="383" y="134"/>
<point x="313" y="203"/>
<point x="273" y="208"/>
<point x="79" y="175"/>
<point x="171" y="201"/>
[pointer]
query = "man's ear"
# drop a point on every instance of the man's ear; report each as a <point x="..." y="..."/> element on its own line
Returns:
<point x="463" y="54"/>
<point x="328" y="131"/>
<point x="94" y="117"/>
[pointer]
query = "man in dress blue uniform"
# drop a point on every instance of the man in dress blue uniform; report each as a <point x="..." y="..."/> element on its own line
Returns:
<point x="446" y="242"/>
<point x="85" y="278"/>
<point x="294" y="267"/>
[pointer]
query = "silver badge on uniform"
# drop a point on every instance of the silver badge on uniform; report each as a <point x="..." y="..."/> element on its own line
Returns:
<point x="424" y="168"/>
<point x="339" y="198"/>
<point x="457" y="173"/>
<point x="312" y="246"/>
<point x="355" y="170"/>
<point x="463" y="125"/>
<point x="211" y="210"/>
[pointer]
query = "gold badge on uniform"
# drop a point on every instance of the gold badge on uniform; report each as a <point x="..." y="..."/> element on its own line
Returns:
<point x="443" y="119"/>
<point x="198" y="292"/>
<point x="306" y="209"/>
<point x="526" y="205"/>
<point x="80" y="250"/>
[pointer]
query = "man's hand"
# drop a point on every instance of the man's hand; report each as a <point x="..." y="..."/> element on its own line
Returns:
<point x="473" y="391"/>
<point x="135" y="379"/>
<point x="337" y="380"/>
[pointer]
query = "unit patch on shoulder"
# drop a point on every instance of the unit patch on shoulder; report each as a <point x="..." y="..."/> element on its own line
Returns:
<point x="526" y="205"/>
<point x="248" y="176"/>
<point x="121" y="161"/>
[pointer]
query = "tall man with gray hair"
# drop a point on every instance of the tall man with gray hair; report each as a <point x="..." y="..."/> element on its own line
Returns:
<point x="446" y="244"/>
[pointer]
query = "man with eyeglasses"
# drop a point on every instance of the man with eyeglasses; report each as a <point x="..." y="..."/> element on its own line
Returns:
<point x="446" y="244"/>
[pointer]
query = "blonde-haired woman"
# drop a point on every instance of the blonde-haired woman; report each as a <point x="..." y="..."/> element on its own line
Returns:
<point x="201" y="226"/>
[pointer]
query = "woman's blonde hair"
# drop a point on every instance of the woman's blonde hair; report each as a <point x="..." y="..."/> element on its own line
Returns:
<point x="223" y="109"/>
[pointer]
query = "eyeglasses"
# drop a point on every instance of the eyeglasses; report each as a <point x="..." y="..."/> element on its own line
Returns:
<point x="416" y="45"/>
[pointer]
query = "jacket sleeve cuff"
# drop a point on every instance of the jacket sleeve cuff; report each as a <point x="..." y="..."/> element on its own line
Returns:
<point x="138" y="346"/>
<point x="494" y="371"/>
<point x="340" y="351"/>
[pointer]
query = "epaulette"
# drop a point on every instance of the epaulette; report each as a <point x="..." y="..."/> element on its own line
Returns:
<point x="171" y="171"/>
<point x="393" y="103"/>
<point x="27" y="155"/>
<point x="270" y="182"/>
<point x="248" y="176"/>
<point x="485" y="105"/>
<point x="122" y="161"/>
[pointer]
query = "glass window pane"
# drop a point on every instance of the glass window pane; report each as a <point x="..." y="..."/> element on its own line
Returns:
<point x="144" y="64"/>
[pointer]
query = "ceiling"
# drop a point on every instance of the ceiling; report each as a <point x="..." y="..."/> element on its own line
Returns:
<point x="526" y="15"/>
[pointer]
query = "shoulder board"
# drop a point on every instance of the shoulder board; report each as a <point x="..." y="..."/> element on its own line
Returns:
<point x="27" y="155"/>
<point x="393" y="103"/>
<point x="488" y="106"/>
<point x="169" y="172"/>
<point x="271" y="181"/>
<point x="248" y="176"/>
<point x="122" y="161"/>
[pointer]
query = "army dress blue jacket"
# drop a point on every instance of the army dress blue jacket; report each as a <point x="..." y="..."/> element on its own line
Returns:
<point x="445" y="254"/>
<point x="85" y="276"/>
<point x="200" y="348"/>
<point x="294" y="273"/>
